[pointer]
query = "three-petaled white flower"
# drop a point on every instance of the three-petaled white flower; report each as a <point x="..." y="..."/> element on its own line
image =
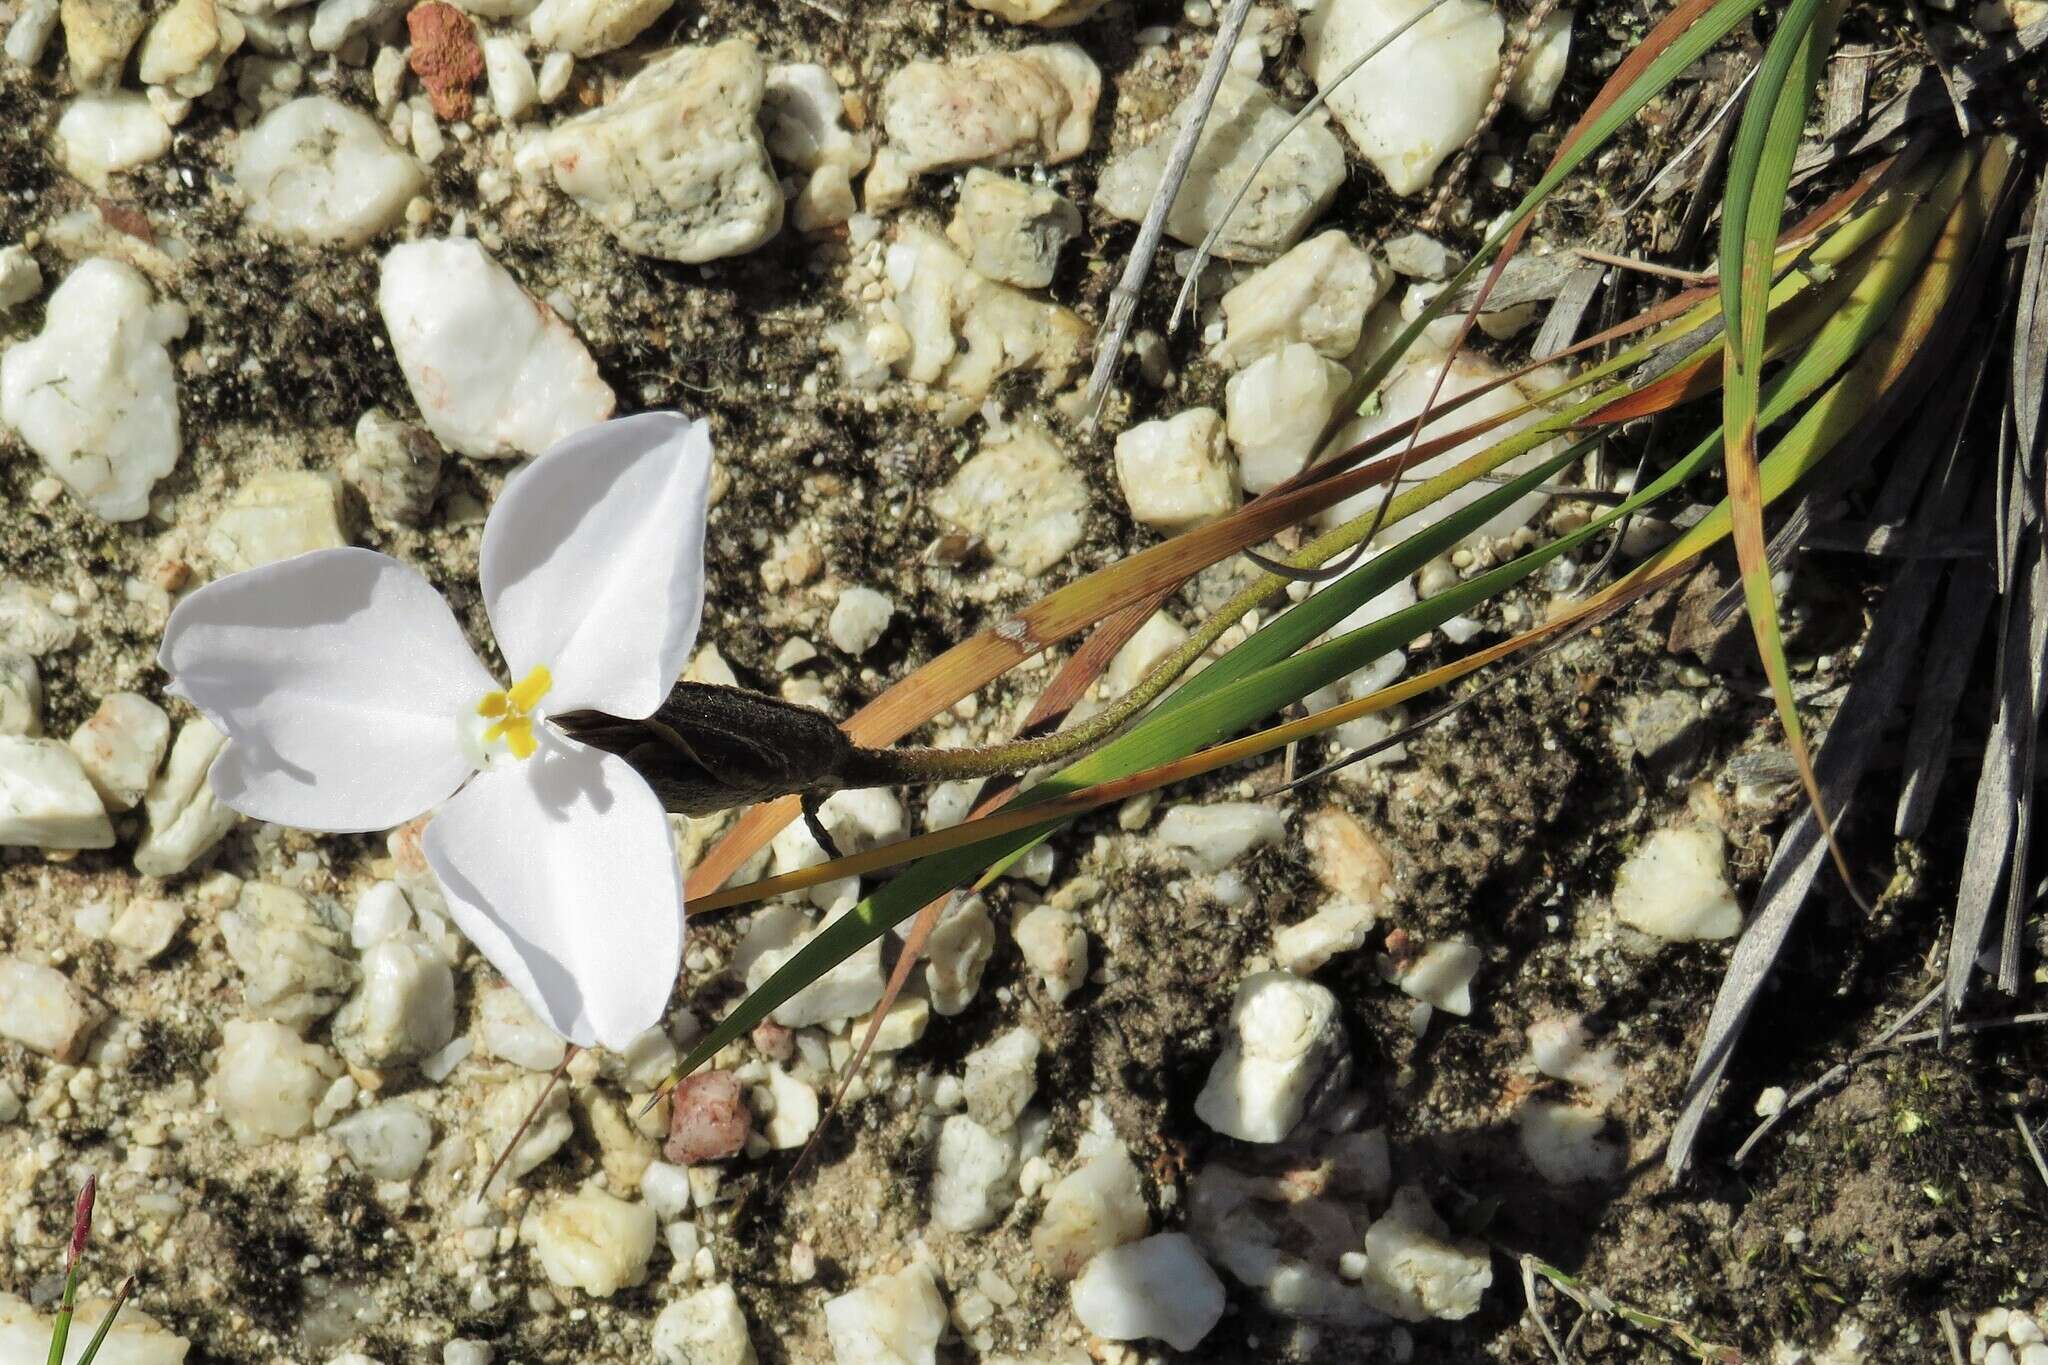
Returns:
<point x="351" y="702"/>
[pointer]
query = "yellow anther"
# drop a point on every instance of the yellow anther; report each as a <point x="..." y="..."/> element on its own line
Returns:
<point x="519" y="739"/>
<point x="528" y="691"/>
<point x="493" y="704"/>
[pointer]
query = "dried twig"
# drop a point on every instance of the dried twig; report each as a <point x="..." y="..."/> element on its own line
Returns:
<point x="1123" y="300"/>
<point x="1952" y="1336"/>
<point x="512" y="1143"/>
<point x="1646" y="267"/>
<point x="2033" y="1146"/>
<point x="1536" y="1311"/>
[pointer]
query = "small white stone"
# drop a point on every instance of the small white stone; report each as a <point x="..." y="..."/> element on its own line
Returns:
<point x="292" y="962"/>
<point x="268" y="1080"/>
<point x="804" y="116"/>
<point x="1447" y="64"/>
<point x="187" y="46"/>
<point x="1222" y="835"/>
<point x="586" y="28"/>
<point x="1022" y="496"/>
<point x="851" y="988"/>
<point x="1177" y="473"/>
<point x="1415" y="1271"/>
<point x="1295" y="185"/>
<point x="337" y="21"/>
<point x="403" y="1010"/>
<point x="495" y="371"/>
<point x="957" y="953"/>
<point x="1675" y="887"/>
<point x="1055" y="946"/>
<point x="120" y="745"/>
<point x="794" y="1111"/>
<point x="1420" y="256"/>
<point x="387" y="78"/>
<point x="1159" y="1287"/>
<point x="386" y="1141"/>
<point x="46" y="799"/>
<point x="1338" y="926"/>
<point x="1277" y="408"/>
<point x="1001" y="1078"/>
<point x="1543" y="66"/>
<point x="29" y="623"/>
<point x="381" y="912"/>
<point x="277" y="514"/>
<point x="1098" y="1206"/>
<point x="506" y="1110"/>
<point x="185" y="818"/>
<point x="21" y="696"/>
<point x="675" y="166"/>
<point x="21" y="279"/>
<point x="98" y="35"/>
<point x="465" y="1352"/>
<point x="510" y="76"/>
<point x="102" y="134"/>
<point x="146" y="927"/>
<point x="591" y="1241"/>
<point x="1043" y="13"/>
<point x="1011" y="230"/>
<point x="1557" y="1048"/>
<point x="1442" y="976"/>
<point x="319" y="172"/>
<point x="1318" y="294"/>
<point x="666" y="1189"/>
<point x="974" y="1181"/>
<point x="858" y="619"/>
<point x="1034" y="105"/>
<point x="888" y="1320"/>
<point x="1284" y="1053"/>
<point x="95" y="394"/>
<point x="41" y="1010"/>
<point x="905" y="1023"/>
<point x="556" y="69"/>
<point x="507" y="1028"/>
<point x="706" y="1328"/>
<point x="29" y="35"/>
<point x="1567" y="1144"/>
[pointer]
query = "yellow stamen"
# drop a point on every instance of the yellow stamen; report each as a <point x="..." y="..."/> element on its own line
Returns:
<point x="519" y="739"/>
<point x="493" y="704"/>
<point x="530" y="689"/>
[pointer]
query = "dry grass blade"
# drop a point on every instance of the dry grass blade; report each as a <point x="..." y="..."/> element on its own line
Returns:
<point x="2033" y="1146"/>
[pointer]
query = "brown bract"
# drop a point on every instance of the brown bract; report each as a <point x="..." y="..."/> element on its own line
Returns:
<point x="445" y="56"/>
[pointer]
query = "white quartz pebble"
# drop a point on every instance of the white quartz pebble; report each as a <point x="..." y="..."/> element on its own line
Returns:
<point x="185" y="817"/>
<point x="1158" y="1287"/>
<point x="41" y="1010"/>
<point x="858" y="619"/>
<point x="508" y="1029"/>
<point x="496" y="373"/>
<point x="704" y="1328"/>
<point x="1177" y="473"/>
<point x="102" y="134"/>
<point x="119" y="746"/>
<point x="95" y="394"/>
<point x="1318" y="294"/>
<point x="888" y="1320"/>
<point x="974" y="1178"/>
<point x="1055" y="946"/>
<point x="403" y="1010"/>
<point x="1022" y="496"/>
<point x="585" y="28"/>
<point x="1441" y="977"/>
<point x="386" y="1141"/>
<point x="268" y="1080"/>
<point x="1221" y="835"/>
<point x="1675" y="887"/>
<point x="1001" y="1078"/>
<point x="1415" y="1270"/>
<point x="1284" y="1053"/>
<point x="1408" y="123"/>
<point x="1099" y="1205"/>
<point x="46" y="799"/>
<point x="277" y="514"/>
<point x="319" y="172"/>
<point x="592" y="1241"/>
<point x="510" y="77"/>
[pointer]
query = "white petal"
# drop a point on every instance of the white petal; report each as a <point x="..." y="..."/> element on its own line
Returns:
<point x="338" y="677"/>
<point x="593" y="562"/>
<point x="561" y="870"/>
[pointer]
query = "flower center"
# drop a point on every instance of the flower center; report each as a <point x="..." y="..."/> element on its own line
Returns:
<point x="502" y="723"/>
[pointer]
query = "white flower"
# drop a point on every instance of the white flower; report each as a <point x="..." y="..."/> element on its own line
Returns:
<point x="352" y="702"/>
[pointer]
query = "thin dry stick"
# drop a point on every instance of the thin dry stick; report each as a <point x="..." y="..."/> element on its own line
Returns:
<point x="1510" y="62"/>
<point x="2033" y="1147"/>
<point x="1208" y="246"/>
<point x="1536" y="1310"/>
<point x="1123" y="300"/>
<point x="1953" y="1337"/>
<point x="1669" y="272"/>
<point x="1941" y="68"/>
<point x="1685" y="152"/>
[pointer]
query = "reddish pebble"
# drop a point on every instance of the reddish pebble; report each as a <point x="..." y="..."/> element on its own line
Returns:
<point x="708" y="1120"/>
<point x="445" y="56"/>
<point x="775" y="1042"/>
